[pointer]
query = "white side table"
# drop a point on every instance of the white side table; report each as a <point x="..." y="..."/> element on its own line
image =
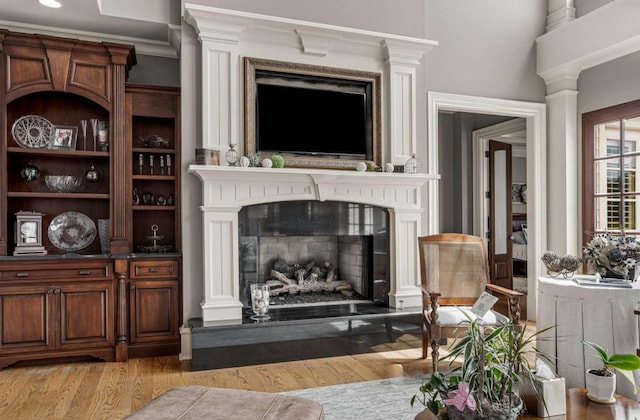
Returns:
<point x="603" y="315"/>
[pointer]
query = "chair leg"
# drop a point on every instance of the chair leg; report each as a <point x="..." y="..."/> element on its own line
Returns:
<point x="514" y="311"/>
<point x="435" y="354"/>
<point x="425" y="340"/>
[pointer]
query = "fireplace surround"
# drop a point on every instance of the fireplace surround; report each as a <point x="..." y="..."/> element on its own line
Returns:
<point x="227" y="37"/>
<point x="227" y="189"/>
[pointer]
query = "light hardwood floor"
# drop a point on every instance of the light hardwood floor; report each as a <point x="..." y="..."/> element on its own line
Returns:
<point x="98" y="390"/>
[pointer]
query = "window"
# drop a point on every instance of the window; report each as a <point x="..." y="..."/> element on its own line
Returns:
<point x="611" y="156"/>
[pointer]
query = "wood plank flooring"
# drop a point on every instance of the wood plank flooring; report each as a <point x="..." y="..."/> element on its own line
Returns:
<point x="98" y="390"/>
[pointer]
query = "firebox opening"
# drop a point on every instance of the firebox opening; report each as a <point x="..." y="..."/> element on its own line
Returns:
<point x="316" y="253"/>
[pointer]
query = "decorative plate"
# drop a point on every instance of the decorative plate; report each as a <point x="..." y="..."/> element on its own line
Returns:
<point x="32" y="131"/>
<point x="72" y="231"/>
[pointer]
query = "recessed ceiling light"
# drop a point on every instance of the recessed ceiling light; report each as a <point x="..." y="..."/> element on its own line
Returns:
<point x="50" y="3"/>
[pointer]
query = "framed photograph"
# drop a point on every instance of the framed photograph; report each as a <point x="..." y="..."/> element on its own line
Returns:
<point x="63" y="137"/>
<point x="516" y="193"/>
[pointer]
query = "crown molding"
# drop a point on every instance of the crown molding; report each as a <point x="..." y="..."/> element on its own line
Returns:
<point x="143" y="46"/>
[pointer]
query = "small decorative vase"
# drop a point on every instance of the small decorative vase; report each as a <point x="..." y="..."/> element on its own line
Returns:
<point x="267" y="163"/>
<point x="413" y="165"/>
<point x="92" y="175"/>
<point x="244" y="162"/>
<point x="104" y="232"/>
<point x="232" y="156"/>
<point x="260" y="301"/>
<point x="30" y="172"/>
<point x="388" y="167"/>
<point x="361" y="167"/>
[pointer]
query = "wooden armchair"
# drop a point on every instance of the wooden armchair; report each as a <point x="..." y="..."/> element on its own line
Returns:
<point x="455" y="271"/>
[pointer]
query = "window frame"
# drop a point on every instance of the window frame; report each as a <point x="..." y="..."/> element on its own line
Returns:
<point x="619" y="112"/>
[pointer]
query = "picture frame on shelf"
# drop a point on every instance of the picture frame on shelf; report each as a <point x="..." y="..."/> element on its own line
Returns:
<point x="64" y="137"/>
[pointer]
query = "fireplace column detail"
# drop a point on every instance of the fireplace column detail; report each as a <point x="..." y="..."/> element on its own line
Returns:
<point x="404" y="225"/>
<point x="220" y="79"/>
<point x="221" y="278"/>
<point x="402" y="60"/>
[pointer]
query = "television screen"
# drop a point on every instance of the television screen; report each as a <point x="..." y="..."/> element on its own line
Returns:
<point x="308" y="121"/>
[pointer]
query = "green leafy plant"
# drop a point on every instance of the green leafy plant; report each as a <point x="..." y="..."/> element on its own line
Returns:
<point x="494" y="361"/>
<point x="625" y="363"/>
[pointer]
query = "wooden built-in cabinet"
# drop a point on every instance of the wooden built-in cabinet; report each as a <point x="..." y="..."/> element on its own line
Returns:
<point x="115" y="304"/>
<point x="154" y="306"/>
<point x="62" y="311"/>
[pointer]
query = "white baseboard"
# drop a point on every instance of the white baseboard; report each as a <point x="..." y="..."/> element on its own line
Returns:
<point x="185" y="343"/>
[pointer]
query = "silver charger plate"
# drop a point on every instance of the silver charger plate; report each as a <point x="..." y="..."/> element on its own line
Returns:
<point x="32" y="131"/>
<point x="72" y="231"/>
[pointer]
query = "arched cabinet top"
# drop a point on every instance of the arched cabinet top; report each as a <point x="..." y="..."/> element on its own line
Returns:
<point x="38" y="63"/>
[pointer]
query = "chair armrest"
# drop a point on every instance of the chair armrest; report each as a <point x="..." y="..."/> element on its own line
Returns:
<point x="514" y="302"/>
<point x="503" y="290"/>
<point x="427" y="293"/>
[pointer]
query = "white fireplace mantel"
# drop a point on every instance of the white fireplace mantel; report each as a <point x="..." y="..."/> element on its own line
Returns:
<point x="227" y="189"/>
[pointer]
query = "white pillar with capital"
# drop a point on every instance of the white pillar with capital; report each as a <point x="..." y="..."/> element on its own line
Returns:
<point x="402" y="60"/>
<point x="220" y="38"/>
<point x="221" y="271"/>
<point x="404" y="225"/>
<point x="560" y="12"/>
<point x="563" y="170"/>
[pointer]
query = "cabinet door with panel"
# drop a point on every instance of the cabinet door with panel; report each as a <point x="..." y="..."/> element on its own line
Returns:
<point x="154" y="301"/>
<point x="87" y="314"/>
<point x="26" y="318"/>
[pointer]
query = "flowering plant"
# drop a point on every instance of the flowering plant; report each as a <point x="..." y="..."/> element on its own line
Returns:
<point x="612" y="254"/>
<point x="494" y="362"/>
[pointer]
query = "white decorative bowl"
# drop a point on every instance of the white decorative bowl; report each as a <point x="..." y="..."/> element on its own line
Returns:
<point x="63" y="183"/>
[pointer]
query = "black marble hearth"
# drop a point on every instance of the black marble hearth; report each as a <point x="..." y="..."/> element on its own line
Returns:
<point x="302" y="333"/>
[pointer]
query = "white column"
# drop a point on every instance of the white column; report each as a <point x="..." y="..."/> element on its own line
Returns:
<point x="402" y="61"/>
<point x="220" y="39"/>
<point x="562" y="152"/>
<point x="221" y="271"/>
<point x="220" y="112"/>
<point x="560" y="12"/>
<point x="404" y="229"/>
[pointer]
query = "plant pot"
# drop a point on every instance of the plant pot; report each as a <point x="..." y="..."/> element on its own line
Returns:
<point x="489" y="411"/>
<point x="600" y="388"/>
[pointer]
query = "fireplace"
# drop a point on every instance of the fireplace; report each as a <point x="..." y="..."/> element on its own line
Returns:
<point x="227" y="37"/>
<point x="313" y="252"/>
<point x="227" y="190"/>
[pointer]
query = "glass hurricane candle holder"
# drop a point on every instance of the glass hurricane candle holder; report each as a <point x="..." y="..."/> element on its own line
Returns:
<point x="260" y="301"/>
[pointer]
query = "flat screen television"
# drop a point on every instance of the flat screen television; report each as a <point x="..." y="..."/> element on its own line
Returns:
<point x="311" y="121"/>
<point x="313" y="116"/>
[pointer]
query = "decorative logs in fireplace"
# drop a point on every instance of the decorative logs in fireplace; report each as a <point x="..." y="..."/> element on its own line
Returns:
<point x="296" y="279"/>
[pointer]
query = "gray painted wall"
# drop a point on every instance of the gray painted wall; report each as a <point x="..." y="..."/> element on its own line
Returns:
<point x="585" y="6"/>
<point x="159" y="71"/>
<point x="456" y="167"/>
<point x="609" y="84"/>
<point x="487" y="48"/>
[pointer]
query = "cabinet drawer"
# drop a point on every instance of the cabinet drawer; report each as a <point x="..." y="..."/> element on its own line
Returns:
<point x="47" y="272"/>
<point x="154" y="269"/>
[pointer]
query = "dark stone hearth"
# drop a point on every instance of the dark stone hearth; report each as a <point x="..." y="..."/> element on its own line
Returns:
<point x="301" y="333"/>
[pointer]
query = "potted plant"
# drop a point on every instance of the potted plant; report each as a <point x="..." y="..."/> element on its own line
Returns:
<point x="613" y="256"/>
<point x="486" y="385"/>
<point x="601" y="383"/>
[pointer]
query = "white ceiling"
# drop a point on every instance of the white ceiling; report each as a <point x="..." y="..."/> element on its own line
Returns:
<point x="151" y="25"/>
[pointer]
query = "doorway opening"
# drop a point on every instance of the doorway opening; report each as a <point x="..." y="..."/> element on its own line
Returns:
<point x="534" y="115"/>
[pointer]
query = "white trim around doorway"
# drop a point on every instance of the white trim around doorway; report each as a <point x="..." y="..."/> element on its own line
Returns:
<point x="535" y="116"/>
